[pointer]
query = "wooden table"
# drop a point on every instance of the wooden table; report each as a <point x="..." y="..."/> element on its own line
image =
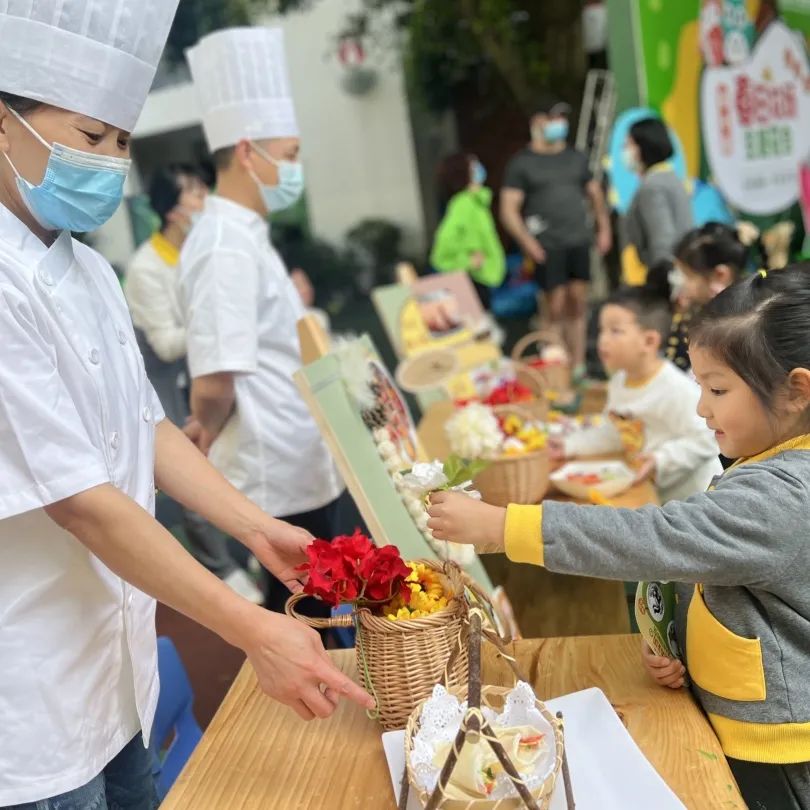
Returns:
<point x="257" y="754"/>
<point x="547" y="604"/>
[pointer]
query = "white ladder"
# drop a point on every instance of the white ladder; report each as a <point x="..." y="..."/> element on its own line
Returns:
<point x="596" y="118"/>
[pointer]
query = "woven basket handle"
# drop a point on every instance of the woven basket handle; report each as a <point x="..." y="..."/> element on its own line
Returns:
<point x="471" y="585"/>
<point x="534" y="339"/>
<point x="346" y="620"/>
<point x="518" y="410"/>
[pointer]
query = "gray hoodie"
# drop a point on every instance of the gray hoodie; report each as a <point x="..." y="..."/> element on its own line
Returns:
<point x="747" y="543"/>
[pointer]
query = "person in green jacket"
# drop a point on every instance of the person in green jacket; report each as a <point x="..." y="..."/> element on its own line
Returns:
<point x="466" y="239"/>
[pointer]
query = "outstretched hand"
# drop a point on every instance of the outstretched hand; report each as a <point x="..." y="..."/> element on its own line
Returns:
<point x="460" y="519"/>
<point x="281" y="547"/>
<point x="293" y="667"/>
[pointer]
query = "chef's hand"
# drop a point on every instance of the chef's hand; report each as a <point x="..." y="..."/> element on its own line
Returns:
<point x="293" y="667"/>
<point x="664" y="671"/>
<point x="198" y="435"/>
<point x="280" y="547"/>
<point x="461" y="519"/>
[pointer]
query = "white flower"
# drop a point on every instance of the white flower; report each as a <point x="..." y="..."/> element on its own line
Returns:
<point x="393" y="464"/>
<point x="474" y="432"/>
<point x="387" y="449"/>
<point x="459" y="553"/>
<point x="425" y="477"/>
<point x="470" y="493"/>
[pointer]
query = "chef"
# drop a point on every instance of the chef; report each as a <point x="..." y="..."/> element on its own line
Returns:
<point x="83" y="442"/>
<point x="241" y="307"/>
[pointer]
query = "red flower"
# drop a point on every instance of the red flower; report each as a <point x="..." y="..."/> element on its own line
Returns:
<point x="351" y="569"/>
<point x="384" y="573"/>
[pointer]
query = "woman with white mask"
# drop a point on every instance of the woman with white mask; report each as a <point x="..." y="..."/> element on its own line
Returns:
<point x="83" y="442"/>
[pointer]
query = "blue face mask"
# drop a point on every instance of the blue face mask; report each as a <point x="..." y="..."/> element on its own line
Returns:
<point x="479" y="173"/>
<point x="80" y="190"/>
<point x="555" y="131"/>
<point x="290" y="183"/>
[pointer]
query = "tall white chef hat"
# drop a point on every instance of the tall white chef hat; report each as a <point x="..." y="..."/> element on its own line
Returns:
<point x="94" y="57"/>
<point x="242" y="85"/>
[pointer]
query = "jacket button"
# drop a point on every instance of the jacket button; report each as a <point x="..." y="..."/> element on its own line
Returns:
<point x="122" y="337"/>
<point x="115" y="440"/>
<point x="95" y="356"/>
<point x="147" y="414"/>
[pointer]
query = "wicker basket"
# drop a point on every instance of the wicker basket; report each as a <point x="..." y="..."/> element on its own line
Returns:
<point x="535" y="382"/>
<point x="494" y="697"/>
<point x="523" y="479"/>
<point x="555" y="377"/>
<point x="402" y="661"/>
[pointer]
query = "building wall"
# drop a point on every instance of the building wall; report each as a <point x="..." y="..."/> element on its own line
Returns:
<point x="358" y="151"/>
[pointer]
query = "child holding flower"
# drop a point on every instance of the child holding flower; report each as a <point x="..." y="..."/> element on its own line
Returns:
<point x="744" y="542"/>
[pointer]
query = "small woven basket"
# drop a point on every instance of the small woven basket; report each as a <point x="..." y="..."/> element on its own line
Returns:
<point x="523" y="479"/>
<point x="535" y="382"/>
<point x="554" y="376"/>
<point x="402" y="661"/>
<point x="494" y="697"/>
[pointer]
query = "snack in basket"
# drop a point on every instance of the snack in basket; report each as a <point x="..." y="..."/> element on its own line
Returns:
<point x="521" y="724"/>
<point x="476" y="774"/>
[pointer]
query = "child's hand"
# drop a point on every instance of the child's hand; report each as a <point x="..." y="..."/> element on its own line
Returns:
<point x="664" y="671"/>
<point x="556" y="449"/>
<point x="645" y="468"/>
<point x="461" y="519"/>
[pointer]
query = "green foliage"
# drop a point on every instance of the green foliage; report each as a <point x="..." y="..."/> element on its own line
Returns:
<point x="497" y="46"/>
<point x="459" y="471"/>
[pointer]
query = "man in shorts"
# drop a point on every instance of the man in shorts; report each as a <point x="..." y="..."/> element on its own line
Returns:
<point x="543" y="206"/>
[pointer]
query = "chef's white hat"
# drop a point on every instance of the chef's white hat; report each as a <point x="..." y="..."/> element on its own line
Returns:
<point x="94" y="57"/>
<point x="242" y="85"/>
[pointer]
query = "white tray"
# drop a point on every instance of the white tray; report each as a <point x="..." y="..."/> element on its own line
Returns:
<point x="608" y="771"/>
<point x="607" y="489"/>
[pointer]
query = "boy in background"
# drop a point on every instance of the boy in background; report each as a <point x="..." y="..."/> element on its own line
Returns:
<point x="651" y="405"/>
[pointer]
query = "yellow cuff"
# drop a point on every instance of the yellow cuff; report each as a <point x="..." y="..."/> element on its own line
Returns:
<point x="523" y="535"/>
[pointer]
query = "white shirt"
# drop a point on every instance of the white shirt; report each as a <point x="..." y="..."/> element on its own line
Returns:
<point x="668" y="428"/>
<point x="78" y="656"/>
<point x="154" y="297"/>
<point x="241" y="314"/>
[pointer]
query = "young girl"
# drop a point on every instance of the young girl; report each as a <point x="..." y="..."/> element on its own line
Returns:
<point x="707" y="260"/>
<point x="743" y="544"/>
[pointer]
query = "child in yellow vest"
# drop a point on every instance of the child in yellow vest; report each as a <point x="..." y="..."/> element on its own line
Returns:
<point x="743" y="545"/>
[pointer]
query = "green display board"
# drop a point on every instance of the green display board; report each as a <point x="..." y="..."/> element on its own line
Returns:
<point x="355" y="453"/>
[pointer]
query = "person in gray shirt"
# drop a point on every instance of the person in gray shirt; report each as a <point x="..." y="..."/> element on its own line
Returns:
<point x="544" y="200"/>
<point x="661" y="211"/>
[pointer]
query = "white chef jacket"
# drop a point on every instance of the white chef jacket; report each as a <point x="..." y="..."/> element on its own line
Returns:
<point x="153" y="296"/>
<point x="241" y="314"/>
<point x="78" y="655"/>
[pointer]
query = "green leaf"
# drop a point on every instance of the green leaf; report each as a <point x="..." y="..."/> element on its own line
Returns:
<point x="459" y="471"/>
<point x="476" y="467"/>
<point x="707" y="754"/>
<point x="452" y="467"/>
